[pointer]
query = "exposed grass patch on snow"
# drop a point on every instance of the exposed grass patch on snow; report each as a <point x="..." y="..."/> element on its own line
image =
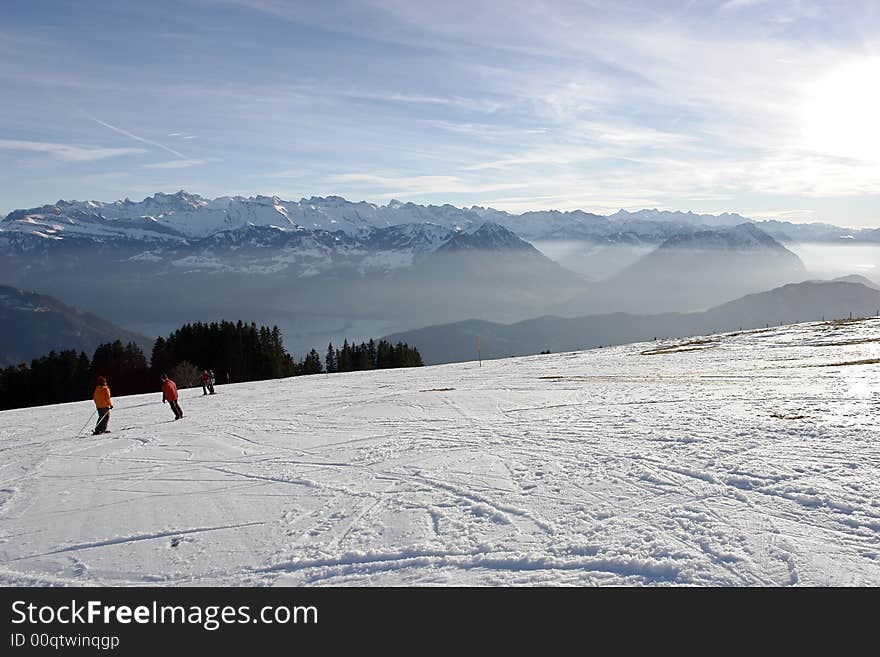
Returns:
<point x="692" y="345"/>
<point x="738" y="333"/>
<point x="846" y="321"/>
<point x="845" y="343"/>
<point x="781" y="416"/>
<point x="866" y="361"/>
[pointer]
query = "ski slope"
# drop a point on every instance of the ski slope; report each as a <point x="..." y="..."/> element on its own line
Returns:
<point x="737" y="459"/>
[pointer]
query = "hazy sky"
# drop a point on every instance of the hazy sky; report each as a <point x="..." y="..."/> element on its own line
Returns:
<point x="767" y="108"/>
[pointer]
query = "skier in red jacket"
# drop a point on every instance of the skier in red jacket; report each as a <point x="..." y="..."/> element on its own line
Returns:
<point x="169" y="394"/>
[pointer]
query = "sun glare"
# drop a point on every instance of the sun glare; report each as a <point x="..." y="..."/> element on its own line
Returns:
<point x="842" y="112"/>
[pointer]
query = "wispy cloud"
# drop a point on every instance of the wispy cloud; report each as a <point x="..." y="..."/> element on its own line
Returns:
<point x="560" y="103"/>
<point x="130" y="135"/>
<point x="486" y="105"/>
<point x="407" y="186"/>
<point x="174" y="164"/>
<point x="68" y="152"/>
<point x="734" y="5"/>
<point x="285" y="173"/>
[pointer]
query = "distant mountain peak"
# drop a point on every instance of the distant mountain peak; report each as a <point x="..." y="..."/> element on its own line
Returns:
<point x="488" y="236"/>
<point x="858" y="278"/>
<point x="689" y="217"/>
<point x="180" y="199"/>
<point x="742" y="237"/>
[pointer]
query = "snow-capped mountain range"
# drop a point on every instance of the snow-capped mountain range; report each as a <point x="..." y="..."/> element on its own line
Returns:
<point x="259" y="234"/>
<point x="184" y="219"/>
<point x="319" y="266"/>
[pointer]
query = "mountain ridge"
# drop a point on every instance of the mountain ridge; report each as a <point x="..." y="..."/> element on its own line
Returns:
<point x="184" y="215"/>
<point x="788" y="304"/>
<point x="35" y="324"/>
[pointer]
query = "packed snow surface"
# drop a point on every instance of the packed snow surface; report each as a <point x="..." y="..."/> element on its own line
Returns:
<point x="738" y="459"/>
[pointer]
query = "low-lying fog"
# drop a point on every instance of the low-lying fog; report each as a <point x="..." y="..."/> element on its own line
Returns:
<point x="833" y="260"/>
<point x="311" y="312"/>
<point x="822" y="260"/>
<point x="591" y="260"/>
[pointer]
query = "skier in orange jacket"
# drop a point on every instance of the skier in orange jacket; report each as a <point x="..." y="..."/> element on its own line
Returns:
<point x="103" y="403"/>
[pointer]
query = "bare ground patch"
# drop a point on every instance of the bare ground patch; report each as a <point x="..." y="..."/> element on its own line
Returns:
<point x="844" y="343"/>
<point x="750" y="332"/>
<point x="845" y="321"/>
<point x="866" y="361"/>
<point x="692" y="345"/>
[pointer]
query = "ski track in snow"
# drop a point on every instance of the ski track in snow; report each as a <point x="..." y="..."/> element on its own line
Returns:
<point x="747" y="464"/>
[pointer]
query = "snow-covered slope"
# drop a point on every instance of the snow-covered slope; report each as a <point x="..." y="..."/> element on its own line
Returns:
<point x="738" y="459"/>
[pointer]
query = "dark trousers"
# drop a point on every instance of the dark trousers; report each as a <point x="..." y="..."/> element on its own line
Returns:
<point x="176" y="408"/>
<point x="211" y="386"/>
<point x="205" y="388"/>
<point x="103" y="419"/>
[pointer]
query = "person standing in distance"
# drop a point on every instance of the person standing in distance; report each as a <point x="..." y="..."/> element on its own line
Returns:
<point x="103" y="403"/>
<point x="169" y="394"/>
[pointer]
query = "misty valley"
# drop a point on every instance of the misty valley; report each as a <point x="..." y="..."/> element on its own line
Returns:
<point x="326" y="269"/>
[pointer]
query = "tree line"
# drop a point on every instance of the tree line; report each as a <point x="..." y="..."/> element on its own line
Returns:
<point x="235" y="351"/>
<point x="370" y="356"/>
<point x="68" y="376"/>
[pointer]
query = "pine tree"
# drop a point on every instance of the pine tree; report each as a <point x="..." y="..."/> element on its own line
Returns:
<point x="162" y="359"/>
<point x="371" y="352"/>
<point x="345" y="360"/>
<point x="311" y="364"/>
<point x="383" y="355"/>
<point x="330" y="359"/>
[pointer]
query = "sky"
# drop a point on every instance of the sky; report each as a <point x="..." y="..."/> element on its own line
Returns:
<point x="766" y="108"/>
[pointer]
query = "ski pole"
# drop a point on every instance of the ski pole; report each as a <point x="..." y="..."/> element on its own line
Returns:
<point x="87" y="423"/>
<point x="101" y="419"/>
